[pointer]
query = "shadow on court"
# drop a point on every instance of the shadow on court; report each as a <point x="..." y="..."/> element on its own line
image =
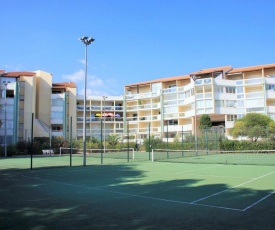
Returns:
<point x="124" y="197"/>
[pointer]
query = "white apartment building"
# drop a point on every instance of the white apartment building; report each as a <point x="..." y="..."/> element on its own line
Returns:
<point x="164" y="107"/>
<point x="171" y="106"/>
<point x="104" y="114"/>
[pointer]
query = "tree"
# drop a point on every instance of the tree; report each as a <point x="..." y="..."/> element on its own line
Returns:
<point x="113" y="139"/>
<point x="205" y="122"/>
<point x="271" y="130"/>
<point x="252" y="125"/>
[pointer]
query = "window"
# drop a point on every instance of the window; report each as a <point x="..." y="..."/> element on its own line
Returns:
<point x="254" y="103"/>
<point x="171" y="110"/>
<point x="231" y="117"/>
<point x="240" y="103"/>
<point x="156" y="87"/>
<point x="219" y="89"/>
<point x="199" y="104"/>
<point x="239" y="89"/>
<point x="172" y="88"/>
<point x="256" y="109"/>
<point x="57" y="115"/>
<point x="230" y="90"/>
<point x="271" y="87"/>
<point x="173" y="122"/>
<point x="57" y="102"/>
<point x="208" y="103"/>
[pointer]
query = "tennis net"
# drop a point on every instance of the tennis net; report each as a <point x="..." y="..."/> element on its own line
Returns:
<point x="121" y="153"/>
<point x="244" y="157"/>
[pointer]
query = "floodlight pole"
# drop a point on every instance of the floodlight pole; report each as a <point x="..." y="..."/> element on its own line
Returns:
<point x="104" y="98"/>
<point x="87" y="41"/>
<point x="5" y="127"/>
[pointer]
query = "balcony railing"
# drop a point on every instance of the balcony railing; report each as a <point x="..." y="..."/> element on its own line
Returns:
<point x="98" y="119"/>
<point x="254" y="95"/>
<point x="142" y="95"/>
<point x="254" y="81"/>
<point x="203" y="81"/>
<point x="99" y="108"/>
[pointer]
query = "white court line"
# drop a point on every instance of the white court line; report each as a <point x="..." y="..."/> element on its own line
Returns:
<point x="193" y="170"/>
<point x="257" y="202"/>
<point x="204" y="198"/>
<point x="133" y="195"/>
<point x="202" y="175"/>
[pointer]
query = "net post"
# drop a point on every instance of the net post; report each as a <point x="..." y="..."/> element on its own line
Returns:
<point x="71" y="142"/>
<point x="101" y="154"/>
<point x="32" y="140"/>
<point x="167" y="141"/>
<point x="128" y="140"/>
<point x="149" y="142"/>
<point x="182" y="146"/>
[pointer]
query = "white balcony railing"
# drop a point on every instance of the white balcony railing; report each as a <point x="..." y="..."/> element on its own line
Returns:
<point x="254" y="81"/>
<point x="271" y="109"/>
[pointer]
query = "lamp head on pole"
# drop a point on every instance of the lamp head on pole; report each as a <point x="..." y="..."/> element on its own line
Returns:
<point x="87" y="40"/>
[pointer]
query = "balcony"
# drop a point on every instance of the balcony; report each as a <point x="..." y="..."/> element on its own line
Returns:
<point x="56" y="121"/>
<point x="271" y="109"/>
<point x="205" y="81"/>
<point x="254" y="81"/>
<point x="133" y="107"/>
<point x="144" y="118"/>
<point x="170" y="90"/>
<point x="57" y="133"/>
<point x="226" y="110"/>
<point x="98" y="119"/>
<point x="142" y="95"/>
<point x="146" y="130"/>
<point x="270" y="94"/>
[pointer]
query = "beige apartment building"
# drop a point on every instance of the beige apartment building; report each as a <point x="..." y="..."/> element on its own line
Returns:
<point x="164" y="107"/>
<point x="57" y="109"/>
<point x="31" y="98"/>
<point x="173" y="106"/>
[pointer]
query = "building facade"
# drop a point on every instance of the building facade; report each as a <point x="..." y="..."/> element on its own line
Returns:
<point x="104" y="114"/>
<point x="165" y="107"/>
<point x="173" y="106"/>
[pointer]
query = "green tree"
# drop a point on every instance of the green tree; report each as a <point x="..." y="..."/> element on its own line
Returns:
<point x="252" y="125"/>
<point x="113" y="139"/>
<point x="271" y="130"/>
<point x="205" y="122"/>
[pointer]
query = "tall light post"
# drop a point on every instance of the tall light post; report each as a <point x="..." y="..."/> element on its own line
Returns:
<point x="87" y="41"/>
<point x="5" y="127"/>
<point x="104" y="98"/>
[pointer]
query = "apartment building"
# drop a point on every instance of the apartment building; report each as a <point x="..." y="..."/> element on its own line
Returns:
<point x="170" y="106"/>
<point x="63" y="110"/>
<point x="55" y="107"/>
<point x="24" y="94"/>
<point x="164" y="107"/>
<point x="103" y="114"/>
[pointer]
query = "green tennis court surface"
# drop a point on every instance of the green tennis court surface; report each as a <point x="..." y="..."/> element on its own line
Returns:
<point x="138" y="194"/>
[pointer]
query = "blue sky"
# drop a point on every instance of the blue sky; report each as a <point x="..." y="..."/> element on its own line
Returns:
<point x="135" y="40"/>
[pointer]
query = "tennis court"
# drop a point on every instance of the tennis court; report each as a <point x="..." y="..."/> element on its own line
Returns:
<point x="135" y="194"/>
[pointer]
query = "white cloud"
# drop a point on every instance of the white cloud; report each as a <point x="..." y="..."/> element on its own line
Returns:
<point x="82" y="61"/>
<point x="96" y="86"/>
<point x="76" y="76"/>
